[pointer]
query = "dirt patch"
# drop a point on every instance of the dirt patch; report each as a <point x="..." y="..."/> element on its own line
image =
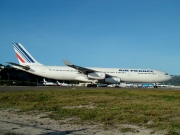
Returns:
<point x="33" y="123"/>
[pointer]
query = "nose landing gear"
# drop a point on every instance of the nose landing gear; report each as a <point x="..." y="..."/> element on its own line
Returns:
<point x="155" y="86"/>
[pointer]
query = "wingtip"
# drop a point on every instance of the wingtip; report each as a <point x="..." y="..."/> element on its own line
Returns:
<point x="67" y="62"/>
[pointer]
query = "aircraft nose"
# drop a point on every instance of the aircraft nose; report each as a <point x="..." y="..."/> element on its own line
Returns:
<point x="169" y="77"/>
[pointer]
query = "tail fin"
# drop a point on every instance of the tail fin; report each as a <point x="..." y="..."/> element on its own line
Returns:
<point x="44" y="80"/>
<point x="23" y="56"/>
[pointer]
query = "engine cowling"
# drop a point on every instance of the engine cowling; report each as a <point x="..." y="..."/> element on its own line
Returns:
<point x="113" y="80"/>
<point x="97" y="75"/>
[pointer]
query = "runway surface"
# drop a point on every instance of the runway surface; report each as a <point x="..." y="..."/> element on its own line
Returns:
<point x="25" y="88"/>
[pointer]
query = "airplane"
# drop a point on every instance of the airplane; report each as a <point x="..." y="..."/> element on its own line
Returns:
<point x="46" y="83"/>
<point x="62" y="84"/>
<point x="85" y="74"/>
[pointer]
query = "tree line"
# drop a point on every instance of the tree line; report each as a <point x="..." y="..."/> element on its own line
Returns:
<point x="174" y="81"/>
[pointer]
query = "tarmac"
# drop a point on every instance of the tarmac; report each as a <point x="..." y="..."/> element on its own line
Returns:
<point x="26" y="88"/>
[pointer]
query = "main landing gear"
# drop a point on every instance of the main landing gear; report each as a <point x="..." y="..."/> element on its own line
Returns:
<point x="92" y="85"/>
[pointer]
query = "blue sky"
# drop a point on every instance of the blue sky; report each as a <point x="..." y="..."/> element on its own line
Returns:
<point x="94" y="33"/>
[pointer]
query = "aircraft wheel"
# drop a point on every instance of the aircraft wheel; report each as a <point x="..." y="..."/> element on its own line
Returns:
<point x="92" y="85"/>
<point x="89" y="85"/>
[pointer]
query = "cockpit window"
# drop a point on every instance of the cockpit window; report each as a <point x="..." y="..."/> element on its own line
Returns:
<point x="166" y="73"/>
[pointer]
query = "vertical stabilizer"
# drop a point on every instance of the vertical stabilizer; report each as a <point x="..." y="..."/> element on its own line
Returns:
<point x="23" y="56"/>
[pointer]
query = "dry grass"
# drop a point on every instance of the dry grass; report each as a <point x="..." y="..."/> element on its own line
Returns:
<point x="159" y="109"/>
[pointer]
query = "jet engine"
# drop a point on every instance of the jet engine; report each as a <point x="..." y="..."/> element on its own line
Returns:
<point x="113" y="80"/>
<point x="97" y="75"/>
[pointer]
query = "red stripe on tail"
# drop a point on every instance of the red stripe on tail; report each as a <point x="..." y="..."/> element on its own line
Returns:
<point x="20" y="58"/>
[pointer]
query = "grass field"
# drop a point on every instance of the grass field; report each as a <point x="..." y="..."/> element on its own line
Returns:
<point x="157" y="109"/>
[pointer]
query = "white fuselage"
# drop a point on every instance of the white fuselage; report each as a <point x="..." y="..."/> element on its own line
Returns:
<point x="74" y="72"/>
<point x="125" y="75"/>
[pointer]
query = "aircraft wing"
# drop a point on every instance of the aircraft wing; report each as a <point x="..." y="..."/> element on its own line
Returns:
<point x="24" y="67"/>
<point x="80" y="69"/>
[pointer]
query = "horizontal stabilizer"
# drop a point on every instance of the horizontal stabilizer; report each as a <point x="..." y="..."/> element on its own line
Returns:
<point x="24" y="67"/>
